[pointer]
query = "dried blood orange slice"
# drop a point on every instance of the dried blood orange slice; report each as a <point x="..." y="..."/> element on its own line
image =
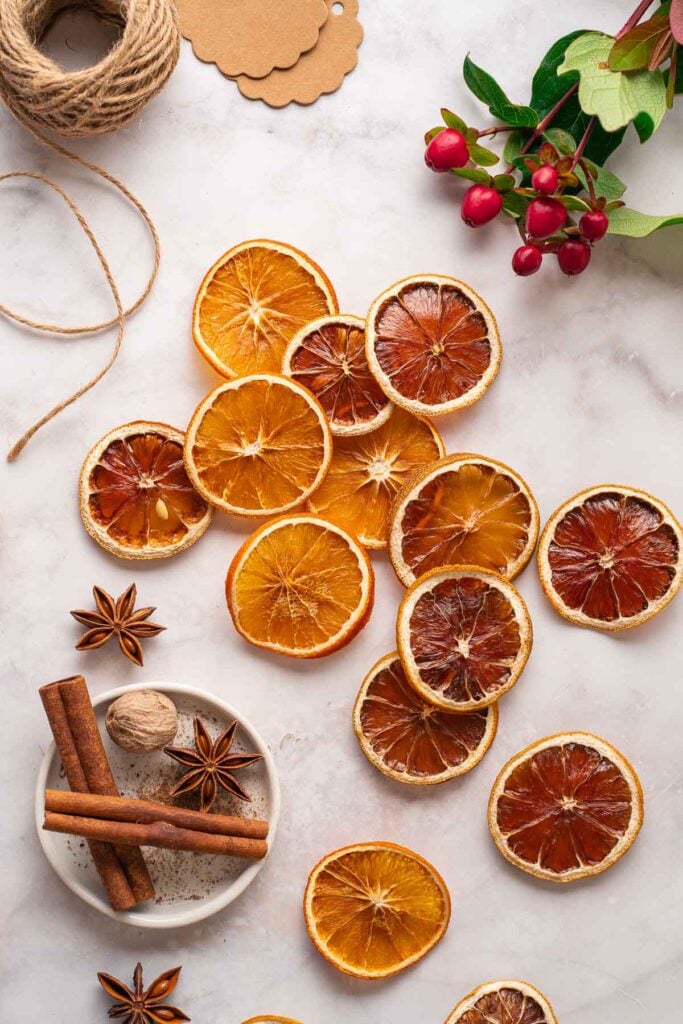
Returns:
<point x="503" y="1002"/>
<point x="566" y="807"/>
<point x="611" y="557"/>
<point x="258" y="446"/>
<point x="135" y="497"/>
<point x="373" y="909"/>
<point x="410" y="740"/>
<point x="253" y="301"/>
<point x="328" y="358"/>
<point x="367" y="471"/>
<point x="465" y="510"/>
<point x="300" y="586"/>
<point x="464" y="636"/>
<point x="433" y="344"/>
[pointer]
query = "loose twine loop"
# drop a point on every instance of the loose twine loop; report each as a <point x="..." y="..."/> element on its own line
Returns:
<point x="81" y="104"/>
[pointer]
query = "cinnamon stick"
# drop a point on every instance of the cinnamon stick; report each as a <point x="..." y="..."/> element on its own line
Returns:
<point x="128" y="809"/>
<point x="160" y="834"/>
<point x="98" y="775"/>
<point x="112" y="875"/>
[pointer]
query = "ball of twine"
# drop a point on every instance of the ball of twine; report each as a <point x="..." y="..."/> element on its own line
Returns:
<point x="92" y="100"/>
<point x="83" y="103"/>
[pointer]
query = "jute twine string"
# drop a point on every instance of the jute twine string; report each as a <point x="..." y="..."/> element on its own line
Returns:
<point x="83" y="103"/>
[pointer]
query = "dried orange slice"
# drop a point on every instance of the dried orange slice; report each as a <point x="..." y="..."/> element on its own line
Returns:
<point x="135" y="497"/>
<point x="270" y="1020"/>
<point x="328" y="357"/>
<point x="464" y="636"/>
<point x="503" y="1002"/>
<point x="300" y="586"/>
<point x="566" y="807"/>
<point x="410" y="740"/>
<point x="465" y="510"/>
<point x="611" y="558"/>
<point x="433" y="344"/>
<point x="373" y="909"/>
<point x="253" y="301"/>
<point x="366" y="472"/>
<point x="258" y="446"/>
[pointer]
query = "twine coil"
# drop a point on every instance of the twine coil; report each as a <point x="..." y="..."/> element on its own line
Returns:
<point x="81" y="104"/>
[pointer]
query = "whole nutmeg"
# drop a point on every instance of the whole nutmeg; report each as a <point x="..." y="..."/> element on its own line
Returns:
<point x="142" y="720"/>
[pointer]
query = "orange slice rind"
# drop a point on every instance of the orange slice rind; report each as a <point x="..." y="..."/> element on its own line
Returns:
<point x="300" y="586"/>
<point x="464" y="510"/>
<point x="408" y="739"/>
<point x="252" y="302"/>
<point x="566" y="807"/>
<point x="367" y="471"/>
<point x="433" y="344"/>
<point x="611" y="557"/>
<point x="328" y="357"/>
<point x="464" y="636"/>
<point x="258" y="446"/>
<point x="503" y="1002"/>
<point x="374" y="909"/>
<point x="269" y="1019"/>
<point x="135" y="497"/>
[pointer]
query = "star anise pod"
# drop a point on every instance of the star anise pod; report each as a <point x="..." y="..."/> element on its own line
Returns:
<point x="116" y="618"/>
<point x="211" y="765"/>
<point x="139" y="1006"/>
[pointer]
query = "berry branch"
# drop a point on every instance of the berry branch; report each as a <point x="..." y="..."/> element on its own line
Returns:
<point x="557" y="146"/>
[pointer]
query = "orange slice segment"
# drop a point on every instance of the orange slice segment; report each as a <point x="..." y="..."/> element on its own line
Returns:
<point x="367" y="471"/>
<point x="464" y="636"/>
<point x="566" y="807"/>
<point x="465" y="510"/>
<point x="610" y="557"/>
<point x="258" y="446"/>
<point x="503" y="1002"/>
<point x="328" y="357"/>
<point x="373" y="909"/>
<point x="433" y="344"/>
<point x="410" y="740"/>
<point x="300" y="586"/>
<point x="135" y="497"/>
<point x="253" y="301"/>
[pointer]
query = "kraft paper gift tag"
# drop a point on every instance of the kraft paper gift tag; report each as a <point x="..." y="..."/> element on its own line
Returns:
<point x="320" y="70"/>
<point x="251" y="37"/>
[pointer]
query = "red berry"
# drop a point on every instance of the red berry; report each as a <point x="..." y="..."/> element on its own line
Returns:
<point x="545" y="179"/>
<point x="480" y="204"/>
<point x="594" y="225"/>
<point x="544" y="217"/>
<point x="448" y="149"/>
<point x="573" y="257"/>
<point x="527" y="260"/>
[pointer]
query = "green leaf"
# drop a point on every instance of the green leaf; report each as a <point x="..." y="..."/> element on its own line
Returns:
<point x="514" y="204"/>
<point x="452" y="120"/>
<point x="472" y="174"/>
<point x="639" y="225"/>
<point x="432" y="133"/>
<point x="614" y="97"/>
<point x="574" y="204"/>
<point x="482" y="156"/>
<point x="486" y="89"/>
<point x="563" y="142"/>
<point x="633" y="51"/>
<point x="547" y="88"/>
<point x="513" y="145"/>
<point x="504" y="182"/>
<point x="606" y="183"/>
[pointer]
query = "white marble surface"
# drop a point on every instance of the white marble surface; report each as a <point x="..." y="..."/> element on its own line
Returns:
<point x="589" y="392"/>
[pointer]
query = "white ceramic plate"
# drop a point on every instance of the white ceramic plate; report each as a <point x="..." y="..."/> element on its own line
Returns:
<point x="190" y="887"/>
